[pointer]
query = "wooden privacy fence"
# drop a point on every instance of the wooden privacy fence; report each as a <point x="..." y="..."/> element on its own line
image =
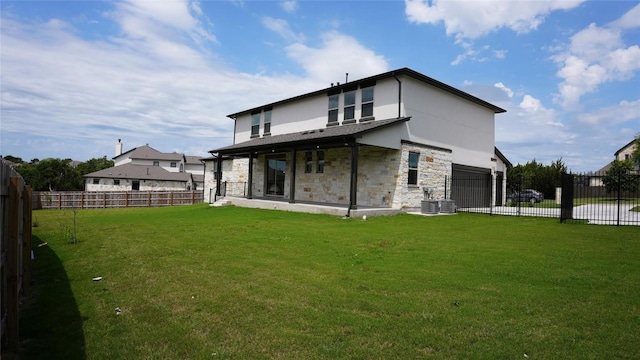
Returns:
<point x="113" y="199"/>
<point x="15" y="259"/>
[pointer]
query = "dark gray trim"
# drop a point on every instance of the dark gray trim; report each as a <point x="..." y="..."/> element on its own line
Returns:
<point x="331" y="136"/>
<point x="425" y="145"/>
<point x="370" y="81"/>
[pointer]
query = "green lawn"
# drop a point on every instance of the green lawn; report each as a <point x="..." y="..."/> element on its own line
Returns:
<point x="196" y="282"/>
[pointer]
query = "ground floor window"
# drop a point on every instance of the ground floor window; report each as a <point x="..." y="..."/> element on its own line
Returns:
<point x="320" y="161"/>
<point x="116" y="181"/>
<point x="135" y="185"/>
<point x="413" y="168"/>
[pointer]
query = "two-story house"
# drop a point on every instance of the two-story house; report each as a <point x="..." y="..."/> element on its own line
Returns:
<point x="378" y="142"/>
<point x="145" y="168"/>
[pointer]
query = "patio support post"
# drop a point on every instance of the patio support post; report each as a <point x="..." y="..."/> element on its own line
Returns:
<point x="250" y="177"/>
<point x="218" y="174"/>
<point x="353" y="188"/>
<point x="292" y="179"/>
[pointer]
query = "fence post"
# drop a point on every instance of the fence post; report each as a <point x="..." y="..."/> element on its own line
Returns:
<point x="126" y="199"/>
<point x="618" y="197"/>
<point x="26" y="239"/>
<point x="566" y="198"/>
<point x="193" y="197"/>
<point x="149" y="199"/>
<point x="59" y="200"/>
<point x="13" y="330"/>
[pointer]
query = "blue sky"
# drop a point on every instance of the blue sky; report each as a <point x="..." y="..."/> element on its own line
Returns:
<point x="76" y="76"/>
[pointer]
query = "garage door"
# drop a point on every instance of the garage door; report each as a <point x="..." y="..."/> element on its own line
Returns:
<point x="470" y="187"/>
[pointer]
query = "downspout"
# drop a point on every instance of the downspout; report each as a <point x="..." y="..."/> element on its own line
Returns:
<point x="399" y="94"/>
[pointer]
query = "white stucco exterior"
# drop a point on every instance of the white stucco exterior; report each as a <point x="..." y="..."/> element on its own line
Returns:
<point x="444" y="126"/>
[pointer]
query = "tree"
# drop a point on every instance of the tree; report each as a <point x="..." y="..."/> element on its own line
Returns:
<point x="535" y="175"/>
<point x="635" y="155"/>
<point x="93" y="165"/>
<point x="620" y="176"/>
<point x="13" y="159"/>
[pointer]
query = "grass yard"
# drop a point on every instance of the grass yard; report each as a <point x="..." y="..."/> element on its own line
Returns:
<point x="196" y="282"/>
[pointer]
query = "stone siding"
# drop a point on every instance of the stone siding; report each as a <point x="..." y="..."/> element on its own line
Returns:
<point x="382" y="176"/>
<point x="434" y="169"/>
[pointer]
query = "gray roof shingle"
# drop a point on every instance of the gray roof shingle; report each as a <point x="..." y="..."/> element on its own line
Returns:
<point x="303" y="137"/>
<point x="142" y="172"/>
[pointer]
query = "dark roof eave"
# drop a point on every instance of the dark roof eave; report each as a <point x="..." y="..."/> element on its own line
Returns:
<point x="353" y="132"/>
<point x="403" y="71"/>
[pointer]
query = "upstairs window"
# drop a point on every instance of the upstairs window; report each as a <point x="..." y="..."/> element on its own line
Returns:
<point x="156" y="163"/>
<point x="367" y="102"/>
<point x="255" y="124"/>
<point x="350" y="105"/>
<point x="308" y="167"/>
<point x="413" y="168"/>
<point x="173" y="164"/>
<point x="334" y="101"/>
<point x="267" y="122"/>
<point x="320" y="161"/>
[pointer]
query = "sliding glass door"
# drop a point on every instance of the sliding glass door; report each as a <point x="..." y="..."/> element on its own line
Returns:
<point x="275" y="176"/>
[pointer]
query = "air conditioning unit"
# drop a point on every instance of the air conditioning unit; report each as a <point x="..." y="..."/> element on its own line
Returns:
<point x="429" y="207"/>
<point x="447" y="206"/>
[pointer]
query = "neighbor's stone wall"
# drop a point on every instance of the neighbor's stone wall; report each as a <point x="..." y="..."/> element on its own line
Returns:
<point x="145" y="185"/>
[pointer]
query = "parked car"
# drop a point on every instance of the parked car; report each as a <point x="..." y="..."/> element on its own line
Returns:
<point x="526" y="195"/>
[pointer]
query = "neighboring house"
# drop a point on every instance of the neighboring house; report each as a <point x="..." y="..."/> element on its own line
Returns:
<point x="375" y="142"/>
<point x="624" y="153"/>
<point x="145" y="168"/>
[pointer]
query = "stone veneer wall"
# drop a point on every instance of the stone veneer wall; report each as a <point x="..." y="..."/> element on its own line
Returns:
<point x="382" y="176"/>
<point x="434" y="169"/>
<point x="234" y="172"/>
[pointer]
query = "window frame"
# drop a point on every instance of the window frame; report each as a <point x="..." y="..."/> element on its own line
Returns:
<point x="332" y="112"/>
<point x="267" y="121"/>
<point x="349" y="110"/>
<point x="320" y="161"/>
<point x="174" y="164"/>
<point x="255" y="123"/>
<point x="308" y="162"/>
<point x="116" y="181"/>
<point x="96" y="181"/>
<point x="366" y="102"/>
<point x="156" y="163"/>
<point x="412" y="172"/>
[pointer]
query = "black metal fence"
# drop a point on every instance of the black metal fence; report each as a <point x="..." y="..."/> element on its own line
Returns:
<point x="594" y="198"/>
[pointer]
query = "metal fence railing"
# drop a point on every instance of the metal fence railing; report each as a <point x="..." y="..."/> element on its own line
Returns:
<point x="578" y="198"/>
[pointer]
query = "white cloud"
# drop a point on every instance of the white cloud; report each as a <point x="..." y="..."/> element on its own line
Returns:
<point x="501" y="86"/>
<point x="282" y="28"/>
<point x="625" y="111"/>
<point x="62" y="89"/>
<point x="152" y="83"/>
<point x="629" y="20"/>
<point x="595" y="55"/>
<point x="473" y="19"/>
<point x="289" y="6"/>
<point x="330" y="62"/>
